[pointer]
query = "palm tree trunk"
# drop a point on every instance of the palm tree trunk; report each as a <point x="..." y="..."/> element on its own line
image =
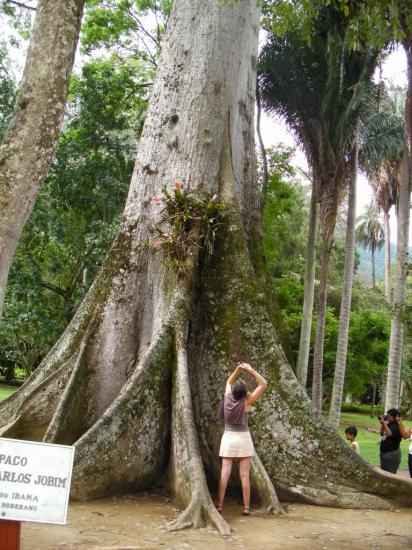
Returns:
<point x="373" y="399"/>
<point x="303" y="357"/>
<point x="341" y="353"/>
<point x="396" y="339"/>
<point x="373" y="248"/>
<point x="388" y="284"/>
<point x="317" y="386"/>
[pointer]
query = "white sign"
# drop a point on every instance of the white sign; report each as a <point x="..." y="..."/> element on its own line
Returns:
<point x="34" y="480"/>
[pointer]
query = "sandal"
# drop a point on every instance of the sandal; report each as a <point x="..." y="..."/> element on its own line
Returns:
<point x="245" y="512"/>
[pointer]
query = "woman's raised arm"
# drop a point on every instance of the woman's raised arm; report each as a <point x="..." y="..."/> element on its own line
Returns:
<point x="232" y="378"/>
<point x="262" y="384"/>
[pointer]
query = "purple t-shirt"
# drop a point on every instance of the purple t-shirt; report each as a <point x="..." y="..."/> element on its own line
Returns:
<point x="233" y="411"/>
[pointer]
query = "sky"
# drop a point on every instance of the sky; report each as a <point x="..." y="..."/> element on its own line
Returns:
<point x="275" y="131"/>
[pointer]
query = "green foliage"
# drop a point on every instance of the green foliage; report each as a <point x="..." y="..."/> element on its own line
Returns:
<point x="367" y="350"/>
<point x="368" y="344"/>
<point x="285" y="216"/>
<point x="375" y="21"/>
<point x="127" y="28"/>
<point x="77" y="212"/>
<point x="7" y="92"/>
<point x="5" y="391"/>
<point x="319" y="90"/>
<point x="192" y="224"/>
<point x="359" y="409"/>
<point x="18" y="16"/>
<point x="285" y="222"/>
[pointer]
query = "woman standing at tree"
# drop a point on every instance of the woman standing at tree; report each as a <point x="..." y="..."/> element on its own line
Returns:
<point x="236" y="440"/>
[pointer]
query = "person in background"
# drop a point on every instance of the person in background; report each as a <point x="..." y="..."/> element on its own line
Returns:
<point x="406" y="433"/>
<point x="390" y="453"/>
<point x="350" y="433"/>
<point x="236" y="441"/>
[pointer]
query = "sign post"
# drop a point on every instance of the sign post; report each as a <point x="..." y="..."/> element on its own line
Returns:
<point x="10" y="535"/>
<point x="34" y="486"/>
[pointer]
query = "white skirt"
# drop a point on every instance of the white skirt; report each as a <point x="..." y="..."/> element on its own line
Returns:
<point x="236" y="445"/>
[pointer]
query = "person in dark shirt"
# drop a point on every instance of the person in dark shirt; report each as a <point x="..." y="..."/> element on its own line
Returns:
<point x="390" y="453"/>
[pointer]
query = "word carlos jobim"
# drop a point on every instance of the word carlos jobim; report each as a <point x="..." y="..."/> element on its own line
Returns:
<point x="25" y="477"/>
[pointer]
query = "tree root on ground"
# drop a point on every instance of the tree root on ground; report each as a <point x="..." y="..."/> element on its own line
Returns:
<point x="30" y="413"/>
<point x="132" y="433"/>
<point x="342" y="498"/>
<point x="187" y="474"/>
<point x="262" y="483"/>
<point x="63" y="424"/>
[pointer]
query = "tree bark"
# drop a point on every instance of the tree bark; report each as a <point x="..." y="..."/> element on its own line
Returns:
<point x="309" y="291"/>
<point x="28" y="146"/>
<point x="343" y="335"/>
<point x="388" y="282"/>
<point x="317" y="375"/>
<point x="137" y="378"/>
<point x="397" y="324"/>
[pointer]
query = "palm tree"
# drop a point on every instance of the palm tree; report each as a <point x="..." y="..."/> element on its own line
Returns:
<point x="380" y="158"/>
<point x="397" y="324"/>
<point x="319" y="91"/>
<point x="309" y="292"/>
<point x="371" y="235"/>
<point x="343" y="334"/>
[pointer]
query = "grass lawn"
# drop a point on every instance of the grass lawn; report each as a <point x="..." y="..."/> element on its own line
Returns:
<point x="369" y="440"/>
<point x="5" y="391"/>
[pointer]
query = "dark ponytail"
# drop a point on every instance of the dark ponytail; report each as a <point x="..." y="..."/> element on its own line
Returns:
<point x="239" y="390"/>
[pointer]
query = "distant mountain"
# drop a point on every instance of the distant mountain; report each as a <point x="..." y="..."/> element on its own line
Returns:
<point x="365" y="263"/>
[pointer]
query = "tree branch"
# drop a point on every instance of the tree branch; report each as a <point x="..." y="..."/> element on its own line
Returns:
<point x="20" y="5"/>
<point x="50" y="286"/>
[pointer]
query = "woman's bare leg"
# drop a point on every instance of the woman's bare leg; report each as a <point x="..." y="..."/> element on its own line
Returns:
<point x="244" y="468"/>
<point x="224" y="478"/>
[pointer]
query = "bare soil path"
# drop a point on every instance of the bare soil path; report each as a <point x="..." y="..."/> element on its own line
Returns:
<point x="137" y="523"/>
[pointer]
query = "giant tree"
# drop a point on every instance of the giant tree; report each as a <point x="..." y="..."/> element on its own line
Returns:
<point x="29" y="143"/>
<point x="137" y="377"/>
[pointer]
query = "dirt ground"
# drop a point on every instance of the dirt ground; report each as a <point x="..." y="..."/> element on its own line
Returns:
<point x="138" y="522"/>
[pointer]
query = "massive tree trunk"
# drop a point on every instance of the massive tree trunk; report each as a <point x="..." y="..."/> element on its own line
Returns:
<point x="28" y="146"/>
<point x="135" y="381"/>
<point x="343" y="336"/>
<point x="396" y="338"/>
<point x="388" y="282"/>
<point x="308" y="295"/>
